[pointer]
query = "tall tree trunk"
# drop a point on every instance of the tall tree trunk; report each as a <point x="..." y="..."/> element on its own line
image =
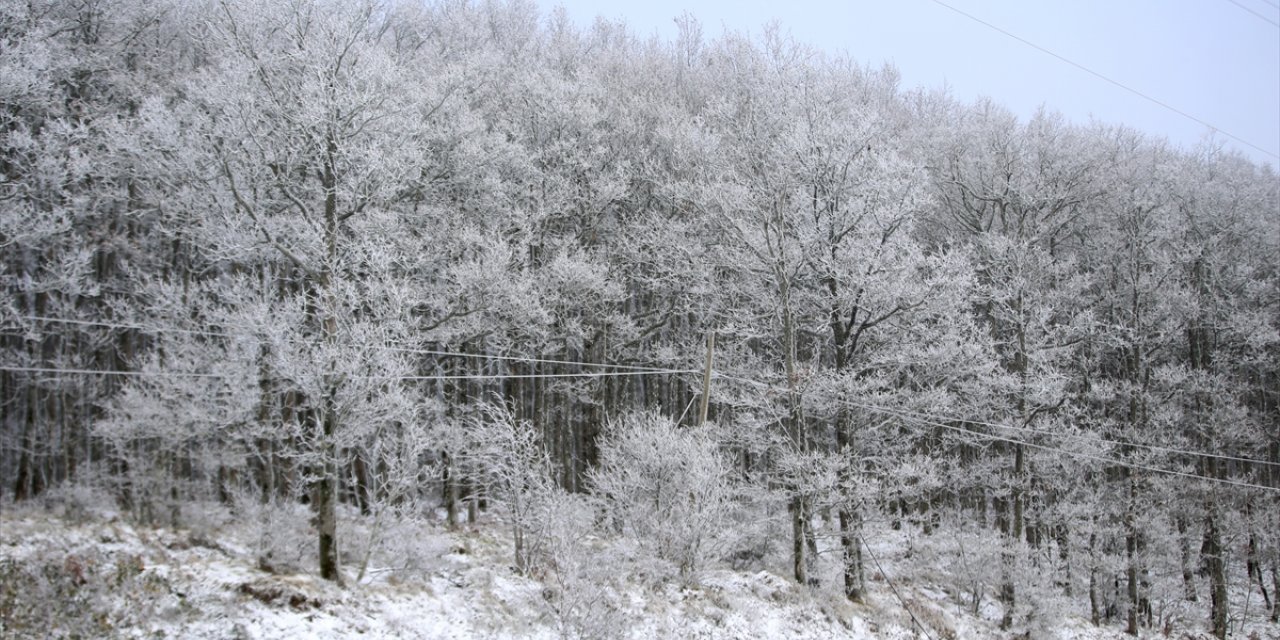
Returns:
<point x="798" y="562"/>
<point x="1275" y="588"/>
<point x="27" y="486"/>
<point x="1131" y="554"/>
<point x="1095" y="613"/>
<point x="1215" y="565"/>
<point x="364" y="492"/>
<point x="851" y="544"/>
<point x="1063" y="535"/>
<point x="799" y="507"/>
<point x="1253" y="567"/>
<point x="1095" y="609"/>
<point x="1014" y="532"/>
<point x="1184" y="548"/>
<point x="450" y="492"/>
<point x="1013" y="537"/>
<point x="850" y="518"/>
<point x="327" y="495"/>
<point x="327" y="489"/>
<point x="1200" y="354"/>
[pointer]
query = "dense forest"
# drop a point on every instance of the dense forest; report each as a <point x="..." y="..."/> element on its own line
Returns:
<point x="726" y="297"/>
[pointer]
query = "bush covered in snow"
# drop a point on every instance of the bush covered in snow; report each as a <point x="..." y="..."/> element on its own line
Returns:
<point x="666" y="487"/>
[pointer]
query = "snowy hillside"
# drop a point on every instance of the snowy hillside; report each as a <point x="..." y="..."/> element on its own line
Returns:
<point x="75" y="574"/>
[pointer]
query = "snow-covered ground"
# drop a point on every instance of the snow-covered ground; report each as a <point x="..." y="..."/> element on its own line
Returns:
<point x="95" y="575"/>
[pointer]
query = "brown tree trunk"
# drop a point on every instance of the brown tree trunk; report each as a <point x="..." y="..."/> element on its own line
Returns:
<point x="1253" y="569"/>
<point x="327" y="498"/>
<point x="851" y="543"/>
<point x="327" y="485"/>
<point x="1063" y="535"/>
<point x="1095" y="611"/>
<point x="800" y="516"/>
<point x="799" y="563"/>
<point x="850" y="520"/>
<point x="26" y="485"/>
<point x="1131" y="556"/>
<point x="364" y="485"/>
<point x="1275" y="588"/>
<point x="1013" y="536"/>
<point x="1215" y="566"/>
<point x="1184" y="547"/>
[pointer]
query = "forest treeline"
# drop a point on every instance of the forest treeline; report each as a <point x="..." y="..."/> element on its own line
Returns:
<point x="395" y="254"/>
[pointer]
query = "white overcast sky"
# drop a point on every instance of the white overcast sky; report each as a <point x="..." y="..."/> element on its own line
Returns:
<point x="1212" y="59"/>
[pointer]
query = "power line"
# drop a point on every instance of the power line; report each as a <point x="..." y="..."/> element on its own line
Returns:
<point x="392" y="348"/>
<point x="478" y="376"/>
<point x="1107" y="79"/>
<point x="895" y="591"/>
<point x="1273" y="3"/>
<point x="1152" y="447"/>
<point x="766" y="385"/>
<point x="1092" y="439"/>
<point x="120" y="325"/>
<point x="635" y="371"/>
<point x="107" y="372"/>
<point x="511" y="376"/>
<point x="1080" y="437"/>
<point x="686" y="410"/>
<point x="1078" y="454"/>
<point x="1259" y="15"/>
<point x="625" y="367"/>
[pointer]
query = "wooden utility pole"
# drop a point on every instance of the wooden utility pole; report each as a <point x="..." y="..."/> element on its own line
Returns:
<point x="706" y="379"/>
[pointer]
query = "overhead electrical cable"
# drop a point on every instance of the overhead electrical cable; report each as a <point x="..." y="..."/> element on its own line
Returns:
<point x="392" y="348"/>
<point x="686" y="410"/>
<point x="929" y="419"/>
<point x="137" y="327"/>
<point x="894" y="589"/>
<point x="106" y="372"/>
<point x="1259" y="15"/>
<point x="1117" y="83"/>
<point x="410" y="378"/>
<point x="1089" y="438"/>
<point x="517" y="376"/>
<point x="1078" y="454"/>
<point x="1075" y="436"/>
<point x="933" y="420"/>
<point x="485" y="356"/>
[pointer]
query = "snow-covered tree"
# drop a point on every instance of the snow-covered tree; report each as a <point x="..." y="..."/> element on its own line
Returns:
<point x="665" y="486"/>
